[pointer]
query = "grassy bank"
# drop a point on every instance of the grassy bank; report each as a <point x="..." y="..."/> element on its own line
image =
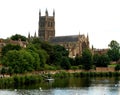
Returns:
<point x="17" y="81"/>
<point x="87" y="74"/>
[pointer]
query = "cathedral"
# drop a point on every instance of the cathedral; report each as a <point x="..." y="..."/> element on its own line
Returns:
<point x="75" y="44"/>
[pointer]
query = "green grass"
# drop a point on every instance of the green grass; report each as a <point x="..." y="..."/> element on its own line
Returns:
<point x="112" y="65"/>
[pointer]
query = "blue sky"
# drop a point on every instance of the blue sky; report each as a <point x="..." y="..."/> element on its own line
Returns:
<point x="99" y="18"/>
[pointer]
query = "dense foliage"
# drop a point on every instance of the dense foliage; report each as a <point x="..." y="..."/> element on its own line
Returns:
<point x="18" y="37"/>
<point x="34" y="56"/>
<point x="9" y="47"/>
<point x="40" y="55"/>
<point x="114" y="51"/>
<point x="87" y="59"/>
<point x="101" y="60"/>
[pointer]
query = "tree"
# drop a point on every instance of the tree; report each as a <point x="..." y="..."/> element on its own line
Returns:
<point x="114" y="51"/>
<point x="47" y="47"/>
<point x="22" y="60"/>
<point x="56" y="58"/>
<point x="43" y="56"/>
<point x="3" y="71"/>
<point x="10" y="71"/>
<point x="61" y="49"/>
<point x="9" y="47"/>
<point x="65" y="64"/>
<point x="104" y="60"/>
<point x="114" y="45"/>
<point x="87" y="59"/>
<point x="58" y="53"/>
<point x="117" y="67"/>
<point x="18" y="37"/>
<point x="36" y="42"/>
<point x="72" y="61"/>
<point x="101" y="60"/>
<point x="78" y="61"/>
<point x="96" y="59"/>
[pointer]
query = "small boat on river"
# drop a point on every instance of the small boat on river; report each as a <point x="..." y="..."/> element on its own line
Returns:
<point x="49" y="79"/>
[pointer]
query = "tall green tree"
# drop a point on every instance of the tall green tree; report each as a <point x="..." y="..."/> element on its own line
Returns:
<point x="114" y="51"/>
<point x="87" y="59"/>
<point x="101" y="60"/>
<point x="56" y="58"/>
<point x="22" y="60"/>
<point x="58" y="53"/>
<point x="65" y="64"/>
<point x="96" y="58"/>
<point x="78" y="61"/>
<point x="104" y="60"/>
<point x="43" y="56"/>
<point x="61" y="49"/>
<point x="114" y="45"/>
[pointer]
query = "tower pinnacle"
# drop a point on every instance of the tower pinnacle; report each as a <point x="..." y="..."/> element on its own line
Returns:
<point x="39" y="12"/>
<point x="53" y="12"/>
<point x="87" y="36"/>
<point x="46" y="12"/>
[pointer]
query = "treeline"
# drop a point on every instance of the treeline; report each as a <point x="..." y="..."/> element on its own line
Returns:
<point x="91" y="61"/>
<point x="39" y="55"/>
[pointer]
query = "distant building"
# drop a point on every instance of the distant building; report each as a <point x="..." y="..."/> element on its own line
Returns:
<point x="46" y="26"/>
<point x="9" y="41"/>
<point x="100" y="51"/>
<point x="18" y="42"/>
<point x="75" y="44"/>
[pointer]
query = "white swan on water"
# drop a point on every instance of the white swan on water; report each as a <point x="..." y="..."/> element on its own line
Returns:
<point x="15" y="90"/>
<point x="40" y="88"/>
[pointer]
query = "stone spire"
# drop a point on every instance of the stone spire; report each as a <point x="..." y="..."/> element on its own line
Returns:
<point x="53" y="12"/>
<point x="29" y="35"/>
<point x="39" y="12"/>
<point x="46" y="12"/>
<point x="87" y="36"/>
<point x="35" y="35"/>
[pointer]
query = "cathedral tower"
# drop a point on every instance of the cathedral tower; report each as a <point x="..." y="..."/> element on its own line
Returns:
<point x="46" y="28"/>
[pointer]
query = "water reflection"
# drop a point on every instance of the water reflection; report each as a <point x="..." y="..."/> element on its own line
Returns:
<point x="70" y="86"/>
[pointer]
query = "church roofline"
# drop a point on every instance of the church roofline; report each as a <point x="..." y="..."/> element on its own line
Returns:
<point x="70" y="38"/>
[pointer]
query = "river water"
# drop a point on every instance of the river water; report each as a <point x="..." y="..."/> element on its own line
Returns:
<point x="69" y="86"/>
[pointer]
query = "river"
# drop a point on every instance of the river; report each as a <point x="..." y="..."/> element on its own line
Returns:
<point x="69" y="86"/>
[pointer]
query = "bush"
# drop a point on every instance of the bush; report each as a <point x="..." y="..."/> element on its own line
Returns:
<point x="117" y="67"/>
<point x="74" y="67"/>
<point x="62" y="74"/>
<point x="49" y="67"/>
<point x="80" y="66"/>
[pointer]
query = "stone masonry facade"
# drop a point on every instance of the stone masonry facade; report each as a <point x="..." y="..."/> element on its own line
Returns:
<point x="75" y="44"/>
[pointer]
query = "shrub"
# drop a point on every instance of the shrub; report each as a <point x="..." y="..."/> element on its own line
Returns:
<point x="117" y="67"/>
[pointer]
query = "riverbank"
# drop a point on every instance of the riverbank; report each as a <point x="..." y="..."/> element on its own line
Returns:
<point x="32" y="79"/>
<point x="98" y="69"/>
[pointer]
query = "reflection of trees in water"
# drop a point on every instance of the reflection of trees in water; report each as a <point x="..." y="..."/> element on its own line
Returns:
<point x="85" y="82"/>
<point x="72" y="82"/>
